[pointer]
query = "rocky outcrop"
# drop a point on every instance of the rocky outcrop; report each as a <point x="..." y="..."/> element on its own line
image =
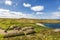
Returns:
<point x="40" y="24"/>
<point x="14" y="31"/>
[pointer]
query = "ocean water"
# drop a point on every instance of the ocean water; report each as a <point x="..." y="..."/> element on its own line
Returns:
<point x="52" y="25"/>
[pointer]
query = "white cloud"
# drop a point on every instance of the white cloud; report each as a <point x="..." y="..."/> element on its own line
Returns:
<point x="10" y="14"/>
<point x="4" y="10"/>
<point x="8" y="2"/>
<point x="55" y="15"/>
<point x="4" y="13"/>
<point x="26" y="5"/>
<point x="37" y="8"/>
<point x="39" y="13"/>
<point x="59" y="7"/>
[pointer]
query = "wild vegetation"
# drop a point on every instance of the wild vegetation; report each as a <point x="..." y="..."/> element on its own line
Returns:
<point x="42" y="33"/>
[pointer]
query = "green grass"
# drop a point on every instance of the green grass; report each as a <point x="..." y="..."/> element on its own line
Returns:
<point x="42" y="33"/>
<point x="1" y="37"/>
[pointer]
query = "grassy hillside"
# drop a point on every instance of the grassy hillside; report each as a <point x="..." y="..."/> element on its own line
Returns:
<point x="42" y="33"/>
<point x="21" y="22"/>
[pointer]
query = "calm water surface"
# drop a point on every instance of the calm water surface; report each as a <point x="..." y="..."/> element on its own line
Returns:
<point x="52" y="25"/>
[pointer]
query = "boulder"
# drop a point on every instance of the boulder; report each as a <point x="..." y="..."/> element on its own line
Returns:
<point x="27" y="28"/>
<point x="17" y="31"/>
<point x="14" y="27"/>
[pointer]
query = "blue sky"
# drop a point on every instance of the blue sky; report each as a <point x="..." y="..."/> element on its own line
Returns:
<point x="35" y="9"/>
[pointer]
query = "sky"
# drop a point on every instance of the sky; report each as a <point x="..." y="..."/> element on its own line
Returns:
<point x="34" y="9"/>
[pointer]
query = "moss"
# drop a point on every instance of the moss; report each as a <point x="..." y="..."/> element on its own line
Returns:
<point x="1" y="37"/>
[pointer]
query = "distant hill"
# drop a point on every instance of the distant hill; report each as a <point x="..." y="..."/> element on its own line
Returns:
<point x="26" y="20"/>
